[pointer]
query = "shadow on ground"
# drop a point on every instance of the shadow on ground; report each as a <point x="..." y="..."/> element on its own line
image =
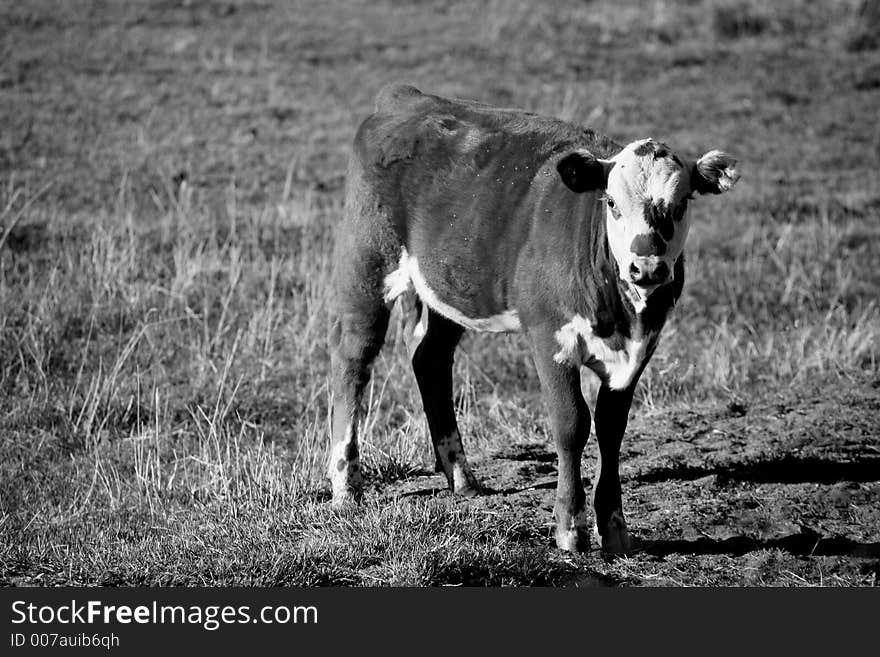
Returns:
<point x="806" y="543"/>
<point x="783" y="470"/>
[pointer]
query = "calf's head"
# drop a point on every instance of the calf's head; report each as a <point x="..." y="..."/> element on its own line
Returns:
<point x="646" y="192"/>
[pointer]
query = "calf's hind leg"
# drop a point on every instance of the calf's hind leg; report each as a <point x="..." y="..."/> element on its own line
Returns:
<point x="432" y="360"/>
<point x="359" y="320"/>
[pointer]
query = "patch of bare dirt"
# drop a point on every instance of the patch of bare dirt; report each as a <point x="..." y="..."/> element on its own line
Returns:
<point x="797" y="473"/>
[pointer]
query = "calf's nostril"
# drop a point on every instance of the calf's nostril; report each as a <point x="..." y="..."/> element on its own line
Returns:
<point x="634" y="272"/>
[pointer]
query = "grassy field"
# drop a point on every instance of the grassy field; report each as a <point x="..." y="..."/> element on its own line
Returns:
<point x="170" y="176"/>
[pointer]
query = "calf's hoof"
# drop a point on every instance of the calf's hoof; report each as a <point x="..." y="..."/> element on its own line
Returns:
<point x="346" y="498"/>
<point x="572" y="532"/>
<point x="347" y="483"/>
<point x="615" y="538"/>
<point x="463" y="482"/>
<point x="470" y="490"/>
<point x="572" y="540"/>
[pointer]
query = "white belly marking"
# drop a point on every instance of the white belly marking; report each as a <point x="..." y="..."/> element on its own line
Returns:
<point x="408" y="276"/>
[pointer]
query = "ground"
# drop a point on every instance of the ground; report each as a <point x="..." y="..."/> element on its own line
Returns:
<point x="170" y="177"/>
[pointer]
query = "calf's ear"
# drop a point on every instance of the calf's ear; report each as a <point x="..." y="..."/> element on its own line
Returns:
<point x="714" y="173"/>
<point x="581" y="172"/>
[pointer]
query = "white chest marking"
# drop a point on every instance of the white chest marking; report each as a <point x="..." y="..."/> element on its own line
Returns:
<point x="408" y="276"/>
<point x="618" y="366"/>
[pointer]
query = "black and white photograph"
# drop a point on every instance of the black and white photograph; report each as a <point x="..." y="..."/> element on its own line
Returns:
<point x="438" y="293"/>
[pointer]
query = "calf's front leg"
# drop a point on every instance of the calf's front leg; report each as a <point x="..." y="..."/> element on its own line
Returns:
<point x="570" y="420"/>
<point x="612" y="411"/>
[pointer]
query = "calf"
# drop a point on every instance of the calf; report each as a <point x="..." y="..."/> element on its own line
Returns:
<point x="503" y="220"/>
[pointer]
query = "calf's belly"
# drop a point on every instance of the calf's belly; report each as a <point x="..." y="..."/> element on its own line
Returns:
<point x="444" y="297"/>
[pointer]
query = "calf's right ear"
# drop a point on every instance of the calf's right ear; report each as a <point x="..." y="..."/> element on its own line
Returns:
<point x="581" y="172"/>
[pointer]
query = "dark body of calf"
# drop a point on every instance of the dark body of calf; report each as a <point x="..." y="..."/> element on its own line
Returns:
<point x="496" y="219"/>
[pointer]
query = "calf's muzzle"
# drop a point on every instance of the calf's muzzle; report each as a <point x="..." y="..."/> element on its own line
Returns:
<point x="649" y="271"/>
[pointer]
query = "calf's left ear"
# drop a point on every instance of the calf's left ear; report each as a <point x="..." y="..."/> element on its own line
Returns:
<point x="581" y="172"/>
<point x="714" y="173"/>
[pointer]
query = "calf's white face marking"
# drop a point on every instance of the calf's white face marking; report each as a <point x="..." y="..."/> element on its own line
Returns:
<point x="579" y="346"/>
<point x="647" y="193"/>
<point x="647" y="186"/>
<point x="408" y="276"/>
